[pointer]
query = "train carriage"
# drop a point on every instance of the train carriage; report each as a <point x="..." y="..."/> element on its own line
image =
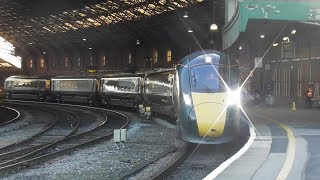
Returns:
<point x="122" y="90"/>
<point x="75" y="89"/>
<point x="207" y="97"/>
<point x="158" y="92"/>
<point x="27" y="88"/>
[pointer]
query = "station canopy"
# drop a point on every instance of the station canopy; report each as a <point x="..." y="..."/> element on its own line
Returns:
<point x="27" y="22"/>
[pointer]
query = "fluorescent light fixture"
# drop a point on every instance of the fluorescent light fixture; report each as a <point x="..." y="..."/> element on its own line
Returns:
<point x="138" y="42"/>
<point x="262" y="36"/>
<point x="275" y="44"/>
<point x="84" y="39"/>
<point x="285" y="38"/>
<point x="293" y="31"/>
<point x="30" y="43"/>
<point x="190" y="30"/>
<point x="214" y="27"/>
<point x="185" y="15"/>
<point x="90" y="47"/>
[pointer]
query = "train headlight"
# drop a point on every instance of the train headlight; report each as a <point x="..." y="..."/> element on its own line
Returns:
<point x="234" y="98"/>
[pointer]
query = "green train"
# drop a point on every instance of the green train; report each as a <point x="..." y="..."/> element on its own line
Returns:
<point x="207" y="97"/>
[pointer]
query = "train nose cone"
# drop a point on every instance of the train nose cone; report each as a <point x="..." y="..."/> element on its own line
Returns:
<point x="210" y="112"/>
<point x="211" y="118"/>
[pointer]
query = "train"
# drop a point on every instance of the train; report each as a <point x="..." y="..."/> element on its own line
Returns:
<point x="202" y="93"/>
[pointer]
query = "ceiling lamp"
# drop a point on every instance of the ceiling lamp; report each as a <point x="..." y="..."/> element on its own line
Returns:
<point x="190" y="30"/>
<point x="240" y="48"/>
<point x="293" y="31"/>
<point x="185" y="15"/>
<point x="138" y="42"/>
<point x="44" y="52"/>
<point x="214" y="27"/>
<point x="84" y="39"/>
<point x="90" y="48"/>
<point x="262" y="36"/>
<point x="285" y="38"/>
<point x="275" y="44"/>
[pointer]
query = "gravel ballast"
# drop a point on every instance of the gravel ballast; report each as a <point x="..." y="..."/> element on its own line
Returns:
<point x="146" y="140"/>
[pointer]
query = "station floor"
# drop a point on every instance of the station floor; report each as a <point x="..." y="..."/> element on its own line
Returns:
<point x="287" y="146"/>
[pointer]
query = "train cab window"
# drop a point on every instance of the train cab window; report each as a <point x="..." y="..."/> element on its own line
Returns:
<point x="204" y="78"/>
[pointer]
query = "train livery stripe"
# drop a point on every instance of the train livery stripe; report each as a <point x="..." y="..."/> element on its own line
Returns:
<point x="210" y="111"/>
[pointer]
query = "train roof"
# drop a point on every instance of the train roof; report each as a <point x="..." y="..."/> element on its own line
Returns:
<point x="196" y="54"/>
<point x="123" y="75"/>
<point x="28" y="77"/>
<point x="161" y="70"/>
<point x="76" y="77"/>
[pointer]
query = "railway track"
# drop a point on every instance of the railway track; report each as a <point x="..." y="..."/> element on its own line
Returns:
<point x="191" y="161"/>
<point x="40" y="148"/>
<point x="8" y="115"/>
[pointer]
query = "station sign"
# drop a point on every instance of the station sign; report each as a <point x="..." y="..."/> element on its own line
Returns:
<point x="258" y="62"/>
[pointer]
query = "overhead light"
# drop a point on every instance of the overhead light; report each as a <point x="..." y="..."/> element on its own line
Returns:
<point x="293" y="31"/>
<point x="90" y="48"/>
<point x="30" y="43"/>
<point x="84" y="39"/>
<point x="185" y="15"/>
<point x="285" y="38"/>
<point x="240" y="47"/>
<point x="190" y="30"/>
<point x="214" y="27"/>
<point x="138" y="42"/>
<point x="262" y="36"/>
<point x="275" y="44"/>
<point x="44" y="52"/>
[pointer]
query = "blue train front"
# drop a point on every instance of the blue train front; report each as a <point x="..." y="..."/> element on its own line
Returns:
<point x="207" y="97"/>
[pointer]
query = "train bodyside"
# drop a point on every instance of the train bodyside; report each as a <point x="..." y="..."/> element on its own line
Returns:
<point x="158" y="92"/>
<point x="126" y="91"/>
<point x="206" y="82"/>
<point x="27" y="88"/>
<point x="75" y="89"/>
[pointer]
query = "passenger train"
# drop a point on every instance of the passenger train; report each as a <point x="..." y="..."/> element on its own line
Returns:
<point x="202" y="93"/>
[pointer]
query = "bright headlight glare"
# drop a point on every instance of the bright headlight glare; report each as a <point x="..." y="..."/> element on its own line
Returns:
<point x="234" y="98"/>
<point x="187" y="99"/>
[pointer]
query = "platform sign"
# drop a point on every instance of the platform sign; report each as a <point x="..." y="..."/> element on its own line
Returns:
<point x="258" y="62"/>
<point x="267" y="67"/>
<point x="288" y="50"/>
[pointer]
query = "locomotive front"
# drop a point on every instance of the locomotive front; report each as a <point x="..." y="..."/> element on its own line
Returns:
<point x="207" y="97"/>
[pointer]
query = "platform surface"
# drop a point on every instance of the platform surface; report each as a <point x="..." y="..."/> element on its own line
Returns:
<point x="287" y="146"/>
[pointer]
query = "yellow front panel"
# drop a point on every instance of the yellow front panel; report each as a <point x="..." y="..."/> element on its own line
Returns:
<point x="210" y="110"/>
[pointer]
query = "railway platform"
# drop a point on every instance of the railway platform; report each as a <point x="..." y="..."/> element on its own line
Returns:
<point x="286" y="146"/>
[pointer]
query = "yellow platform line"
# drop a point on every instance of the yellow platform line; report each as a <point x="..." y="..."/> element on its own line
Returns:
<point x="291" y="150"/>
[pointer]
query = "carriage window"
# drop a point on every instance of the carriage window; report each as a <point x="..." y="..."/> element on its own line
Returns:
<point x="205" y="79"/>
<point x="121" y="85"/>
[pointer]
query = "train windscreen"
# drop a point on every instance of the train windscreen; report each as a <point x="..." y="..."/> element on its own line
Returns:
<point x="204" y="78"/>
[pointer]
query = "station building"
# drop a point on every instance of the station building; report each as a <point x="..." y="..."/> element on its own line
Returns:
<point x="85" y="38"/>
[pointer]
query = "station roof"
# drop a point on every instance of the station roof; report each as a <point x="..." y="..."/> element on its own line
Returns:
<point x="27" y="22"/>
